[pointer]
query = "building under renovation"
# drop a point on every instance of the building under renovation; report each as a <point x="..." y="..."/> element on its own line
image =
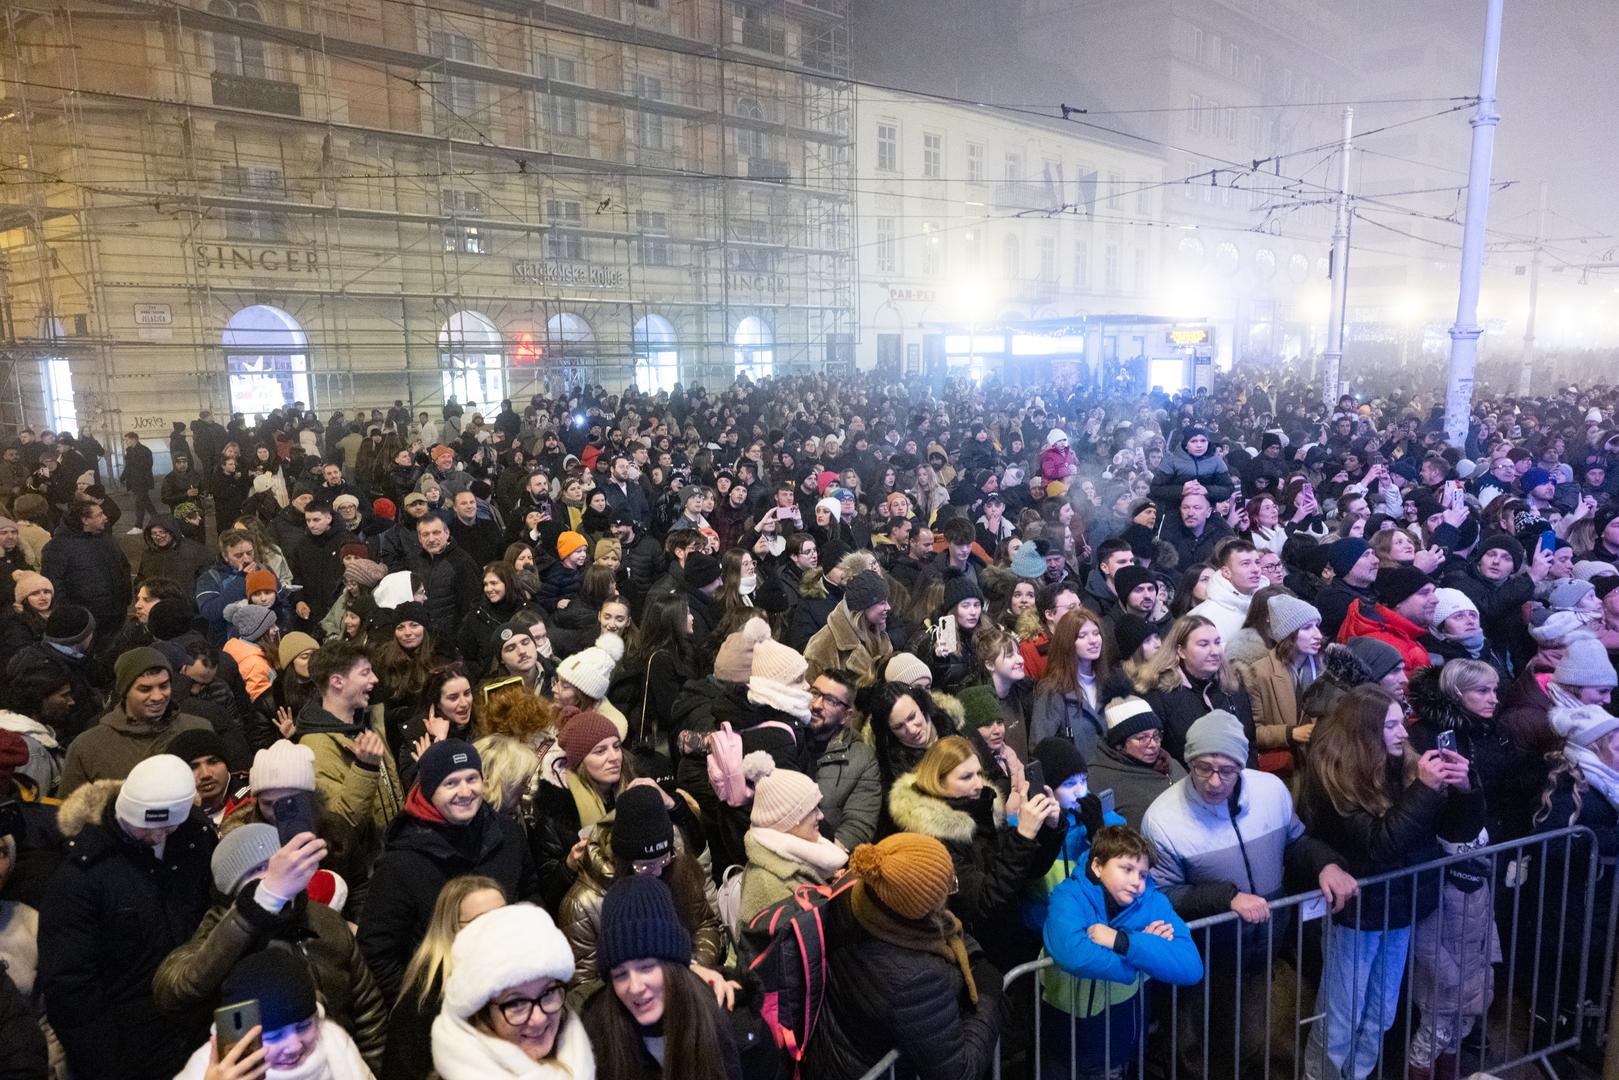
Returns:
<point x="238" y="204"/>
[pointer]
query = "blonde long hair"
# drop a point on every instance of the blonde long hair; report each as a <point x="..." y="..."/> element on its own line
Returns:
<point x="1163" y="671"/>
<point x="429" y="966"/>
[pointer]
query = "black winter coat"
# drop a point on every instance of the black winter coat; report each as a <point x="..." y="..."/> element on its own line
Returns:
<point x="22" y="1043"/>
<point x="1407" y="834"/>
<point x="1510" y="779"/>
<point x="317" y="566"/>
<point x="994" y="863"/>
<point x="881" y="996"/>
<point x="418" y="858"/>
<point x="90" y="571"/>
<point x="1182" y="706"/>
<point x="453" y="583"/>
<point x="137" y="474"/>
<point x="478" y="632"/>
<point x="114" y="910"/>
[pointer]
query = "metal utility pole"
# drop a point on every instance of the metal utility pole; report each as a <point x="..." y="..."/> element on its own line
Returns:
<point x="1332" y="358"/>
<point x="1465" y="333"/>
<point x="1526" y="373"/>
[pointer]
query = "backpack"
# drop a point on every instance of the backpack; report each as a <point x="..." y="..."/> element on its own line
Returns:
<point x="728" y="900"/>
<point x="792" y="965"/>
<point x="726" y="772"/>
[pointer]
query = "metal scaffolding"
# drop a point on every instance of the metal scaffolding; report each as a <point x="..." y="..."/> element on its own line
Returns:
<point x="352" y="201"/>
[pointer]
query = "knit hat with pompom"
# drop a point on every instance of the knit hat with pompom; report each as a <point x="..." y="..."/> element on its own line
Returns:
<point x="910" y="874"/>
<point x="734" y="662"/>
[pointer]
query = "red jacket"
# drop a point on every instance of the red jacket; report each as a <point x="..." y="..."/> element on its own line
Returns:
<point x="1390" y="627"/>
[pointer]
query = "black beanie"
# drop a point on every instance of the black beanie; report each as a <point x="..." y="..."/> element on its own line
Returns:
<point x="1396" y="584"/>
<point x="1142" y="543"/>
<point x="443" y="758"/>
<point x="278" y="979"/>
<point x="641" y="825"/>
<point x="194" y="743"/>
<point x="1127" y="579"/>
<point x="702" y="570"/>
<point x="69" y="623"/>
<point x="958" y="586"/>
<point x="169" y="619"/>
<point x="1506" y="543"/>
<point x="1062" y="760"/>
<point x="1130" y="632"/>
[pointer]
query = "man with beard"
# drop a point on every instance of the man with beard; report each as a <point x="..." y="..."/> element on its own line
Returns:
<point x="845" y="765"/>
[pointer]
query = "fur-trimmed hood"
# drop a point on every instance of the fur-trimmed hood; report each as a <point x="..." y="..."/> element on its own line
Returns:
<point x="932" y="816"/>
<point x="1342" y="667"/>
<point x="87" y="806"/>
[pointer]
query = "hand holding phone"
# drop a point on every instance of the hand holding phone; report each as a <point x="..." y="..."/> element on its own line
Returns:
<point x="1035" y="773"/>
<point x="1446" y="741"/>
<point x="237" y="1024"/>
<point x="294" y="814"/>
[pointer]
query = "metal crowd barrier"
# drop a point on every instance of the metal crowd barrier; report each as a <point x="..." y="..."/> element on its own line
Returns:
<point x="1255" y="1010"/>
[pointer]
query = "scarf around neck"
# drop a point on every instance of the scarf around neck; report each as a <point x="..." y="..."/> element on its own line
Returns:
<point x="938" y="935"/>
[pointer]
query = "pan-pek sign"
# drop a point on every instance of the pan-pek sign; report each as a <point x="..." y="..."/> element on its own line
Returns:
<point x="258" y="260"/>
<point x="577" y="275"/>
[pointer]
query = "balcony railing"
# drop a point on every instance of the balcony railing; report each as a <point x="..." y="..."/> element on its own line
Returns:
<point x="264" y="95"/>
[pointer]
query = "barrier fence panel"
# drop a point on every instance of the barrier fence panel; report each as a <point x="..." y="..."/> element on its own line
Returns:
<point x="1478" y="962"/>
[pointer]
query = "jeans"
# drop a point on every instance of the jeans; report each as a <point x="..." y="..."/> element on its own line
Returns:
<point x="1360" y="994"/>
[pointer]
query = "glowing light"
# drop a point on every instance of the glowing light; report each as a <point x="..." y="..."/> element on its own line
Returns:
<point x="973" y="297"/>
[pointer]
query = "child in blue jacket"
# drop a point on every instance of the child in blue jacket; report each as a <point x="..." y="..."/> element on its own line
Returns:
<point x="1111" y="929"/>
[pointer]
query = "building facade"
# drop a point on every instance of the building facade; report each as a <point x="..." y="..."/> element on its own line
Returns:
<point x="236" y="204"/>
<point x="972" y="215"/>
<point x="1224" y="86"/>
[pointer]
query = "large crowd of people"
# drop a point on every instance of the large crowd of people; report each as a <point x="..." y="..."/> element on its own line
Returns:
<point x="521" y="743"/>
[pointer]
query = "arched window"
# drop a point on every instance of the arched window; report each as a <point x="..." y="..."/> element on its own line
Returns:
<point x="750" y="142"/>
<point x="657" y="363"/>
<point x="233" y="53"/>
<point x="470" y="355"/>
<point x="267" y="357"/>
<point x="755" y="348"/>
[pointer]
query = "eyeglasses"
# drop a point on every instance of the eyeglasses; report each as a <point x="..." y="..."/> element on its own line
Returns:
<point x="519" y="1011"/>
<point x="1152" y="736"/>
<point x="818" y="693"/>
<point x="1227" y="773"/>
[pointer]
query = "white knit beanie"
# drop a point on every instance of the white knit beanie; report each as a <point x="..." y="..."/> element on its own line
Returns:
<point x="777" y="662"/>
<point x="502" y="949"/>
<point x="1448" y="602"/>
<point x="283" y="765"/>
<point x="831" y="506"/>
<point x="591" y="670"/>
<point x="906" y="668"/>
<point x="157" y="793"/>
<point x="1583" y="725"/>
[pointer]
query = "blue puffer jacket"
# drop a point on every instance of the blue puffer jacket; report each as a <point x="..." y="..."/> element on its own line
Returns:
<point x="1080" y="903"/>
<point x="1178" y="467"/>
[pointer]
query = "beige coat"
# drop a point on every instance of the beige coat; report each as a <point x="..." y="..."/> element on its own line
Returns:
<point x="1274" y="695"/>
<point x="840" y="644"/>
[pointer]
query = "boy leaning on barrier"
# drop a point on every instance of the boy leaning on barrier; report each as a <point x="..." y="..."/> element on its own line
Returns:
<point x="1111" y="927"/>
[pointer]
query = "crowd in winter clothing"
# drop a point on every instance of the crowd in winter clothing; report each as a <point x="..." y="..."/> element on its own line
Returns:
<point x="517" y="744"/>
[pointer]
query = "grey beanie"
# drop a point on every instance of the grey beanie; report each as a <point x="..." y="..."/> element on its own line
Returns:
<point x="1377" y="657"/>
<point x="252" y="622"/>
<point x="1217" y="732"/>
<point x="1586" y="664"/>
<point x="242" y="851"/>
<point x="867" y="588"/>
<point x="1566" y="595"/>
<point x="1289" y="614"/>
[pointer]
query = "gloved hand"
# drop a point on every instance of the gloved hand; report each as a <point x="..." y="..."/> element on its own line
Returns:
<point x="1089" y="812"/>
